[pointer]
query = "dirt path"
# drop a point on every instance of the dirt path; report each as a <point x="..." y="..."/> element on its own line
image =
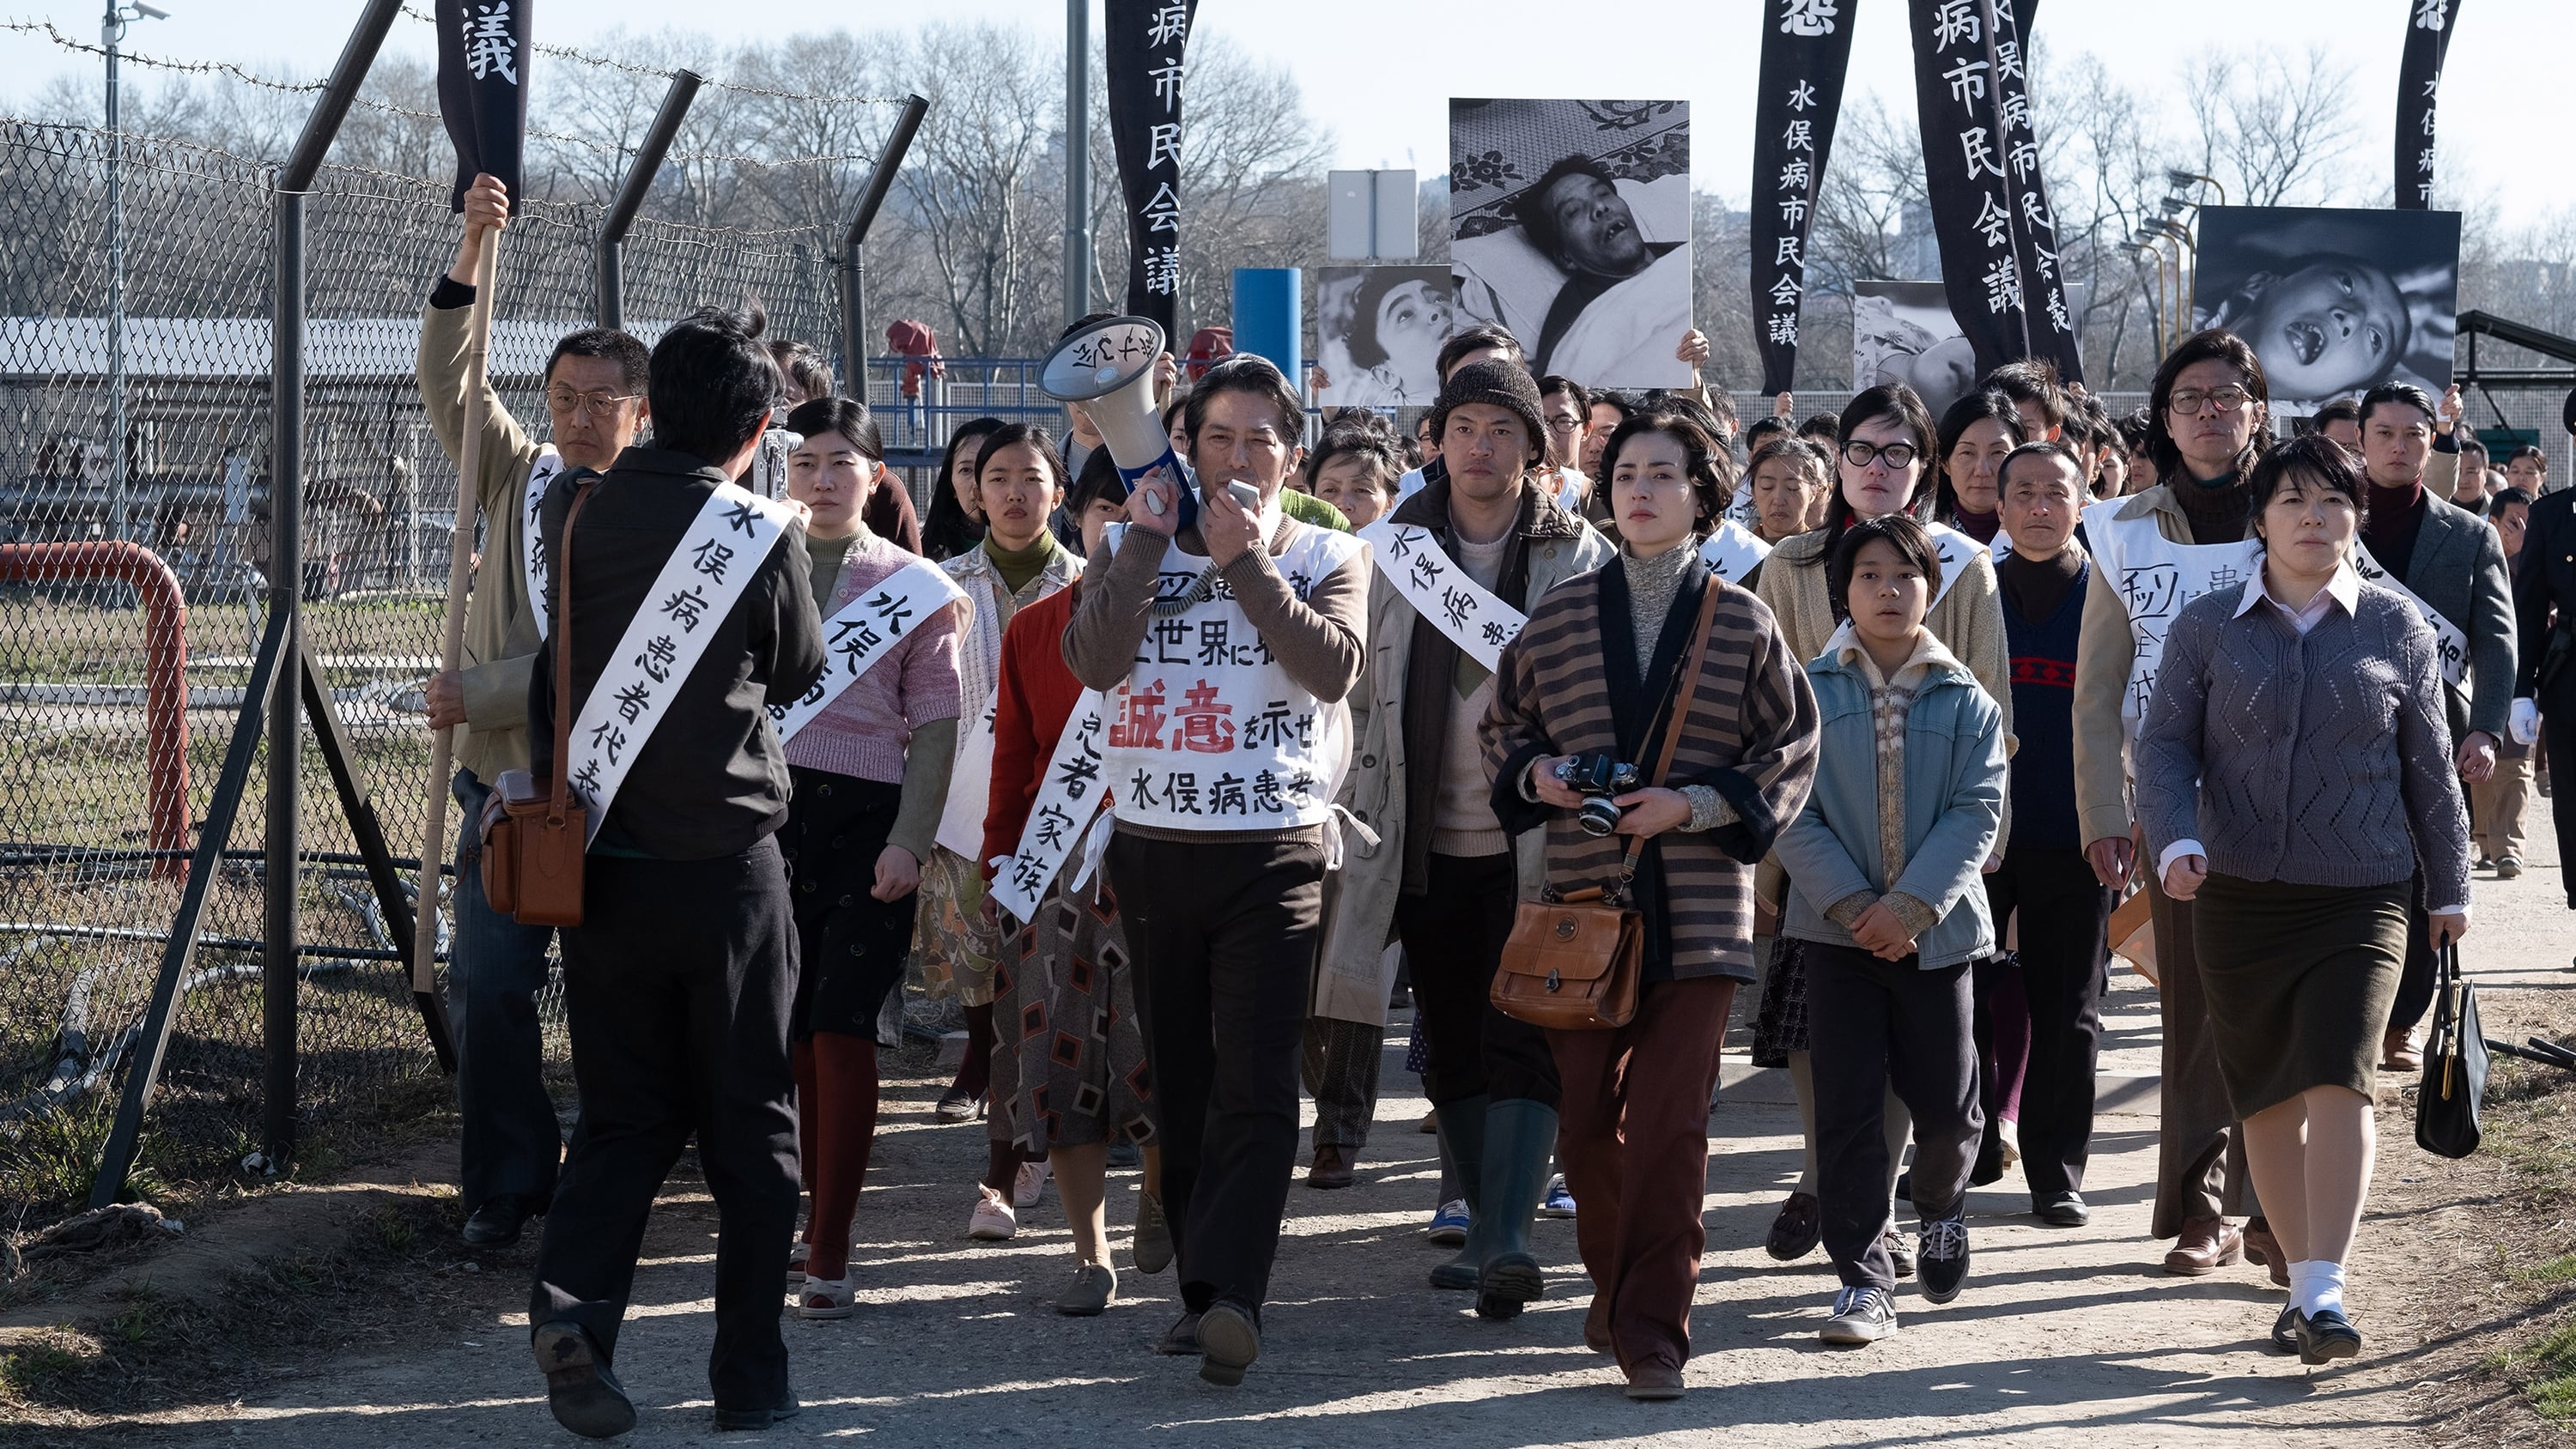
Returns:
<point x="2061" y="1336"/>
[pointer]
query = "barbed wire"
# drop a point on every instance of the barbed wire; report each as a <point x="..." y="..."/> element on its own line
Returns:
<point x="602" y="62"/>
<point x="194" y="67"/>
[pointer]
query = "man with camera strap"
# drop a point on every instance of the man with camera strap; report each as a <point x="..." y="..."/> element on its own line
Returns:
<point x="1457" y="565"/>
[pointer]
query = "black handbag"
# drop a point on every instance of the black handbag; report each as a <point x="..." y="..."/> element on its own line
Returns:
<point x="2455" y="1066"/>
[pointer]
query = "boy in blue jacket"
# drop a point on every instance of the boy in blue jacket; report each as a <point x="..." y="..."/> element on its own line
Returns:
<point x="1885" y="864"/>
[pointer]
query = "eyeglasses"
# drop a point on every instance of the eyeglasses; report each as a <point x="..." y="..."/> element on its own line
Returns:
<point x="563" y="402"/>
<point x="2188" y="400"/>
<point x="1565" y="425"/>
<point x="1894" y="455"/>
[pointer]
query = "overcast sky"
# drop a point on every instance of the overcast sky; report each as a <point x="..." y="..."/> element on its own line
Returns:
<point x="1379" y="73"/>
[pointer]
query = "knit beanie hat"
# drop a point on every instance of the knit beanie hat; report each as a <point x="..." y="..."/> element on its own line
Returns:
<point x="1495" y="384"/>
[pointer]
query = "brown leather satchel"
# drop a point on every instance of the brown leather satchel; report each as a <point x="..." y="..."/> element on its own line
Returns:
<point x="534" y="836"/>
<point x="1576" y="962"/>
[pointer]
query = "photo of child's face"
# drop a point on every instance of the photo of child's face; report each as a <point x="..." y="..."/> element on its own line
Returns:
<point x="2328" y="328"/>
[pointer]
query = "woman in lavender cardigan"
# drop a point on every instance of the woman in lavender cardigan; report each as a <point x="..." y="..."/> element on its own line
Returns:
<point x="2294" y="775"/>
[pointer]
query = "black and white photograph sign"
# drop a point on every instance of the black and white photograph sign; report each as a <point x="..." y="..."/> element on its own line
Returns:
<point x="1904" y="332"/>
<point x="2334" y="301"/>
<point x="1378" y="332"/>
<point x="1571" y="227"/>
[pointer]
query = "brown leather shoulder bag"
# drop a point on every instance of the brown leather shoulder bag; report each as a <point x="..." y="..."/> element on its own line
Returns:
<point x="534" y="836"/>
<point x="1577" y="962"/>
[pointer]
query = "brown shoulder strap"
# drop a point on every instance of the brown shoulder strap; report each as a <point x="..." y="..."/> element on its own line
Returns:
<point x="557" y="803"/>
<point x="1684" y="694"/>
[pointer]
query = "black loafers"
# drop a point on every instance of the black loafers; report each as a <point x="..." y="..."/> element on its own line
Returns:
<point x="758" y="1419"/>
<point x="585" y="1397"/>
<point x="2285" y="1330"/>
<point x="498" y="1222"/>
<point x="2062" y="1209"/>
<point x="2326" y="1335"/>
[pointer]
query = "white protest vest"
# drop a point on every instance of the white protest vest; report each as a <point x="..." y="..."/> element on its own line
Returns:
<point x="864" y="631"/>
<point x="1209" y="732"/>
<point x="2450" y="644"/>
<point x="1069" y="796"/>
<point x="532" y="538"/>
<point x="1731" y="551"/>
<point x="2156" y="577"/>
<point x="1415" y="566"/>
<point x="1957" y="550"/>
<point x="1569" y="490"/>
<point x="719" y="555"/>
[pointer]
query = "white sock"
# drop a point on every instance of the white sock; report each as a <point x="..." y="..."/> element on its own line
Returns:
<point x="2301" y="1275"/>
<point x="2325" y="1288"/>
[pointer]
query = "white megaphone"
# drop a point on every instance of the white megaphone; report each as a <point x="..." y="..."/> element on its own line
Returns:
<point x="1108" y="367"/>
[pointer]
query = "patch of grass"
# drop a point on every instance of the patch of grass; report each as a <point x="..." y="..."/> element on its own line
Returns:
<point x="2558" y="1270"/>
<point x="52" y="1160"/>
<point x="40" y="1372"/>
<point x="2546" y="1371"/>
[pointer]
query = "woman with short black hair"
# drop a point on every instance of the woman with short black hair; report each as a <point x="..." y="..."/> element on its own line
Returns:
<point x="2294" y="776"/>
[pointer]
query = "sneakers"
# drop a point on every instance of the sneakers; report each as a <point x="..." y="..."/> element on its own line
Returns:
<point x="2508" y="867"/>
<point x="959" y="1105"/>
<point x="1151" y="1248"/>
<point x="1030" y="1184"/>
<point x="585" y="1397"/>
<point x="1093" y="1285"/>
<point x="1900" y="1253"/>
<point x="993" y="1221"/>
<point x="1228" y="1343"/>
<point x="1860" y="1316"/>
<point x="1558" y="1203"/>
<point x="1449" y="1224"/>
<point x="1944" y="1244"/>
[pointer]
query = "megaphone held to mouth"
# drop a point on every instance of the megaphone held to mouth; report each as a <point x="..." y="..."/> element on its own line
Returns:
<point x="1108" y="367"/>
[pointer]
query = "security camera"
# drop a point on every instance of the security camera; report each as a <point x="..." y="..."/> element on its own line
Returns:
<point x="149" y="12"/>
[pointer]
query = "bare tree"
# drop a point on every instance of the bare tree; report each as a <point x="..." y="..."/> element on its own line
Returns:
<point x="2277" y="131"/>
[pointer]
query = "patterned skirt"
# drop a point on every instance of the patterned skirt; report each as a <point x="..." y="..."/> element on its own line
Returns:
<point x="1066" y="1014"/>
<point x="1780" y="1023"/>
<point x="956" y="950"/>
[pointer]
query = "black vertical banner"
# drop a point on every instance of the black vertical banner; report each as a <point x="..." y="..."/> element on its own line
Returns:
<point x="483" y="54"/>
<point x="1966" y="161"/>
<point x="1806" y="48"/>
<point x="2419" y="79"/>
<point x="1145" y="40"/>
<point x="2053" y="333"/>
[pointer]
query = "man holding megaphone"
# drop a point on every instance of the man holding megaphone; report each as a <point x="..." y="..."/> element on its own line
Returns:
<point x="1226" y="642"/>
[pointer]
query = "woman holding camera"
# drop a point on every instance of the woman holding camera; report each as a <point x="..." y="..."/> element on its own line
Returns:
<point x="1586" y="688"/>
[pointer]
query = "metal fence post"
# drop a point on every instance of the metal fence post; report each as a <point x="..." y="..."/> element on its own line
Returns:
<point x="282" y="916"/>
<point x="630" y="194"/>
<point x="854" y="271"/>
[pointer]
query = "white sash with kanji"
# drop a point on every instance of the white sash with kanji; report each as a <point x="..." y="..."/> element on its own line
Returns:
<point x="1413" y="562"/>
<point x="2450" y="644"/>
<point x="1731" y="551"/>
<point x="1958" y="550"/>
<point x="719" y="555"/>
<point x="532" y="538"/>
<point x="2155" y="577"/>
<point x="865" y="630"/>
<point x="1069" y="796"/>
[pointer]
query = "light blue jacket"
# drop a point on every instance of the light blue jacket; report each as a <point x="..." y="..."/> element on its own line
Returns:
<point x="1954" y="795"/>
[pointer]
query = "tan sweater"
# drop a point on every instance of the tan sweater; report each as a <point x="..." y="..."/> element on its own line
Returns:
<point x="500" y="632"/>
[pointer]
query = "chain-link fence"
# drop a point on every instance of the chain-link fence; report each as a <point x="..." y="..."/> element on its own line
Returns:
<point x="110" y="745"/>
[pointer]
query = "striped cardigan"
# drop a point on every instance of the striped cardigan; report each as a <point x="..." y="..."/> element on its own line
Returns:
<point x="1751" y="736"/>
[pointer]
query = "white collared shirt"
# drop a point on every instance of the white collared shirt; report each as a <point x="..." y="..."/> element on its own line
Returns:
<point x="2344" y="589"/>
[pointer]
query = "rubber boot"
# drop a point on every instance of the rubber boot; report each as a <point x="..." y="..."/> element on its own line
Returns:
<point x="1520" y="1138"/>
<point x="1462" y="1130"/>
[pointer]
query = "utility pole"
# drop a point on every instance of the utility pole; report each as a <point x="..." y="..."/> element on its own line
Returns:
<point x="111" y="34"/>
<point x="1077" y="160"/>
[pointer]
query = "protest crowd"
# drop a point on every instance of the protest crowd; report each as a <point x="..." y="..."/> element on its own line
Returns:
<point x="1583" y="719"/>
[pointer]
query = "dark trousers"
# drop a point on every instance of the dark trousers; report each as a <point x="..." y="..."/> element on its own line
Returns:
<point x="1878" y="1025"/>
<point x="1341" y="1060"/>
<point x="2065" y="916"/>
<point x="511" y="1144"/>
<point x="677" y="993"/>
<point x="2200" y="1154"/>
<point x="1223" y="937"/>
<point x="1633" y="1135"/>
<point x="1453" y="935"/>
<point x="2558" y="730"/>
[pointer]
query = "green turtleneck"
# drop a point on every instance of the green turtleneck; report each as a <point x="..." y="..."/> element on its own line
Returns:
<point x="827" y="555"/>
<point x="1019" y="566"/>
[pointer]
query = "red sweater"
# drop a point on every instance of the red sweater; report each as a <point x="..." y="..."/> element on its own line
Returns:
<point x="1033" y="702"/>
